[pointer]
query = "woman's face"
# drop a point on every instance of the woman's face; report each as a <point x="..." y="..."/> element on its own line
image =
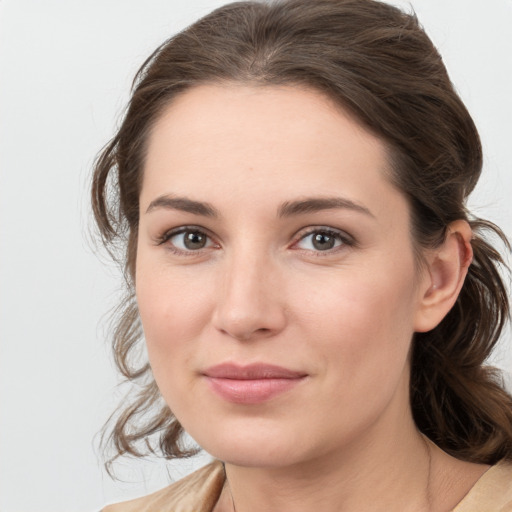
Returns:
<point x="275" y="274"/>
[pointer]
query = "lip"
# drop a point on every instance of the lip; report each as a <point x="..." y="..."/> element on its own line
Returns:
<point x="251" y="384"/>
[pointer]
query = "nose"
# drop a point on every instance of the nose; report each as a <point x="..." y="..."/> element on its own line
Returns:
<point x="250" y="303"/>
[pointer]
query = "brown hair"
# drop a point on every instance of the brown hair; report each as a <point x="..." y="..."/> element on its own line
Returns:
<point x="377" y="63"/>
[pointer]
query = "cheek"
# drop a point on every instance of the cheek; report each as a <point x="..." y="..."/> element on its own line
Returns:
<point x="366" y="324"/>
<point x="169" y="336"/>
<point x="173" y="311"/>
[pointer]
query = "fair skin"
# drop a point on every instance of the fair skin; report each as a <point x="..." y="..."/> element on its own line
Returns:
<point x="270" y="234"/>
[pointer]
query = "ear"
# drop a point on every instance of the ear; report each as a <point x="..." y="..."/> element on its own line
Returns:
<point x="447" y="267"/>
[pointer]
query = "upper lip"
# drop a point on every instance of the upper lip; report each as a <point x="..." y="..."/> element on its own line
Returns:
<point x="255" y="371"/>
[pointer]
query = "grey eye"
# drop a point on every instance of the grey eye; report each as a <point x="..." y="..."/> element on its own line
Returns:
<point x="194" y="240"/>
<point x="190" y="240"/>
<point x="320" y="240"/>
<point x="323" y="241"/>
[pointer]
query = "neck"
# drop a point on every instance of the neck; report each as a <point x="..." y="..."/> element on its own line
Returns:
<point x="373" y="474"/>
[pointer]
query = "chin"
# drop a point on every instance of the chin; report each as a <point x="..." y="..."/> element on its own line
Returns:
<point x="260" y="456"/>
<point x="256" y="446"/>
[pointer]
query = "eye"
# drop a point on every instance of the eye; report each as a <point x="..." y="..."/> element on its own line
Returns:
<point x="322" y="240"/>
<point x="188" y="240"/>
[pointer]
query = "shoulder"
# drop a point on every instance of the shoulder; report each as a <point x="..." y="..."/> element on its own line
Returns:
<point x="198" y="492"/>
<point x="492" y="492"/>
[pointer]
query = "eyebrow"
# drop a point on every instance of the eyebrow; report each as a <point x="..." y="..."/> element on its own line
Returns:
<point x="287" y="209"/>
<point x="316" y="204"/>
<point x="183" y="204"/>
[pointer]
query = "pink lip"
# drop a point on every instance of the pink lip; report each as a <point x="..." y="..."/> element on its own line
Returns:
<point x="251" y="384"/>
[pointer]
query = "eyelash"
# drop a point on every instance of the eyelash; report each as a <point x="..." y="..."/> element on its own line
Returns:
<point x="166" y="237"/>
<point x="343" y="240"/>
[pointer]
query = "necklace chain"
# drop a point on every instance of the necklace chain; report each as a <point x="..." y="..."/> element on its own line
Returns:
<point x="427" y="488"/>
<point x="229" y="487"/>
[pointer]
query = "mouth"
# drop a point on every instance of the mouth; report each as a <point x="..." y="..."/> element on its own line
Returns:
<point x="251" y="384"/>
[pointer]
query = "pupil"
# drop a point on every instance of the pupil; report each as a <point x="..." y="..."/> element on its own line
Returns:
<point x="323" y="241"/>
<point x="194" y="240"/>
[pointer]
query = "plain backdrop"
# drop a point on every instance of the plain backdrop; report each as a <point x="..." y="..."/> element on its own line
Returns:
<point x="65" y="73"/>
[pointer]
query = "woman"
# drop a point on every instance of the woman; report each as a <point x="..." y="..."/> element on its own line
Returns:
<point x="289" y="182"/>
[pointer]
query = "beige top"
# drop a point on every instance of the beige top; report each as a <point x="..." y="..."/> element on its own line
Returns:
<point x="200" y="491"/>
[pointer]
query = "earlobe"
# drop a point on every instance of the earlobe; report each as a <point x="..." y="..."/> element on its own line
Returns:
<point x="447" y="267"/>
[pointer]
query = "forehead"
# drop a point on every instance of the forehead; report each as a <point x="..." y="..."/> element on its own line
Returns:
<point x="264" y="144"/>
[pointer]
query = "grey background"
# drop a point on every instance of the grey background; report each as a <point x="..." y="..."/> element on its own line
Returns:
<point x="65" y="72"/>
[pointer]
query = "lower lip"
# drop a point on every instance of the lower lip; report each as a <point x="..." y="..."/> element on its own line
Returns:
<point x="253" y="391"/>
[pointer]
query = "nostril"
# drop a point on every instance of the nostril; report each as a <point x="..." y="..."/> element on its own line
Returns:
<point x="247" y="334"/>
